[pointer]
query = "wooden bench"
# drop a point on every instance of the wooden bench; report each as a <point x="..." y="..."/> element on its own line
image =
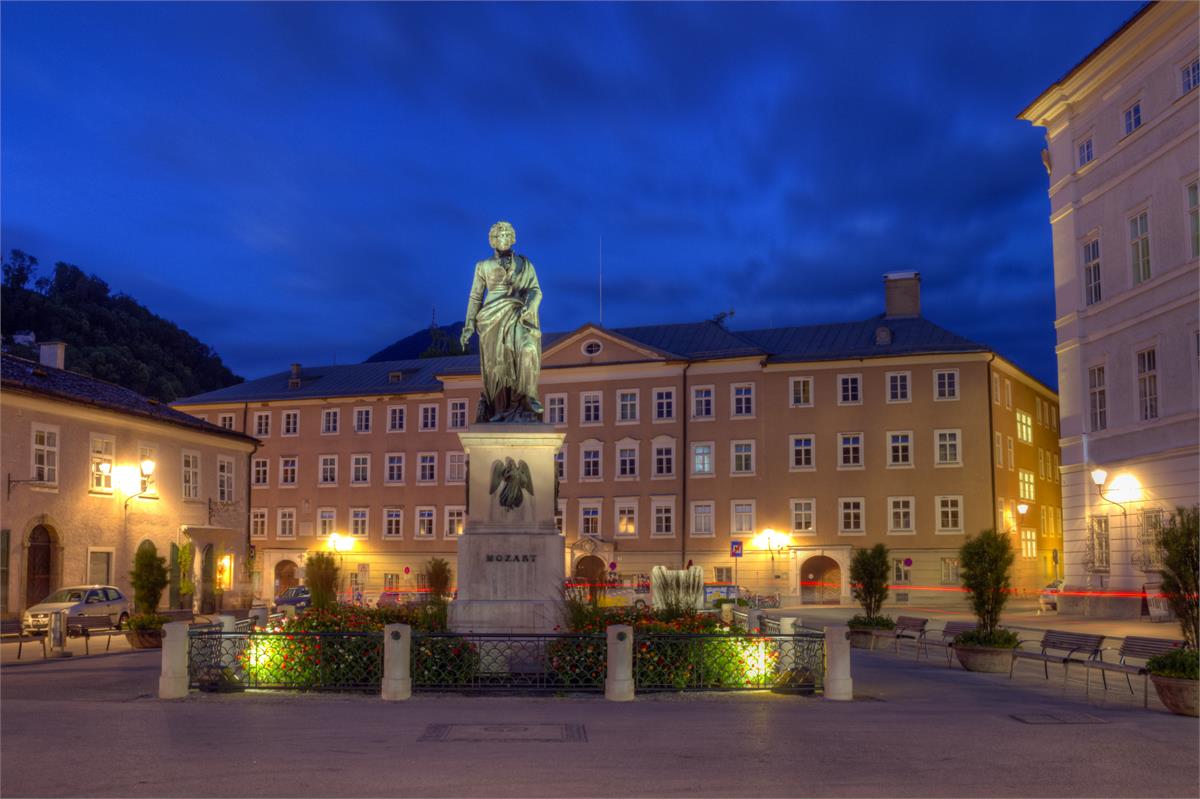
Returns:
<point x="1053" y="643"/>
<point x="86" y="626"/>
<point x="946" y="640"/>
<point x="1132" y="647"/>
<point x="906" y="627"/>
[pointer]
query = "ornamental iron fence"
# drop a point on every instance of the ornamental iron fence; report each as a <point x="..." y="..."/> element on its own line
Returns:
<point x="310" y="661"/>
<point x="714" y="662"/>
<point x="507" y="662"/>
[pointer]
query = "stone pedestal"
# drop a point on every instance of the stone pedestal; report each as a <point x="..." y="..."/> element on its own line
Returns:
<point x="510" y="560"/>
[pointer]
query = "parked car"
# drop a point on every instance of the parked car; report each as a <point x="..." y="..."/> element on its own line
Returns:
<point x="391" y="599"/>
<point x="1048" y="599"/>
<point x="78" y="601"/>
<point x="298" y="596"/>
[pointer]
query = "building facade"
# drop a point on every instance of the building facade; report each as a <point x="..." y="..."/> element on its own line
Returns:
<point x="1123" y="155"/>
<point x="93" y="470"/>
<point x="801" y="443"/>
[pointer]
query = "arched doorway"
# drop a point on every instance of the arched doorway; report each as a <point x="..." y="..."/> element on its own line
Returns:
<point x="208" y="594"/>
<point x="39" y="566"/>
<point x="820" y="581"/>
<point x="285" y="576"/>
<point x="590" y="571"/>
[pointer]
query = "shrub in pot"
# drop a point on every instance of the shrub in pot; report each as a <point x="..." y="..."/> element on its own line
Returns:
<point x="986" y="572"/>
<point x="869" y="572"/>
<point x="1176" y="676"/>
<point x="149" y="578"/>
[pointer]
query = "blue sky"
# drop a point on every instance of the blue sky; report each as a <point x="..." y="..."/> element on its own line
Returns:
<point x="307" y="182"/>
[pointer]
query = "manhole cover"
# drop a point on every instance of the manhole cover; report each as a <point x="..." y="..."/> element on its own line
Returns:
<point x="523" y="733"/>
<point x="1058" y="718"/>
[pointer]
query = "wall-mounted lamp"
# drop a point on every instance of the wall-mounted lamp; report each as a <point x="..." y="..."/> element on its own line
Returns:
<point x="1022" y="508"/>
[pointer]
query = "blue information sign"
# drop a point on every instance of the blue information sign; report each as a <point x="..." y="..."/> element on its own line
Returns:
<point x="735" y="549"/>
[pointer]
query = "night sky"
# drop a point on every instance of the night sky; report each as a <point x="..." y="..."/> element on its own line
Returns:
<point x="308" y="182"/>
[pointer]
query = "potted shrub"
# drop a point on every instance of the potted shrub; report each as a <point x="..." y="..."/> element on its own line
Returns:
<point x="869" y="572"/>
<point x="1176" y="676"/>
<point x="149" y="579"/>
<point x="986" y="571"/>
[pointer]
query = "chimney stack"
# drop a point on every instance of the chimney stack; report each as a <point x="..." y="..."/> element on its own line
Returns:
<point x="295" y="371"/>
<point x="53" y="354"/>
<point x="902" y="294"/>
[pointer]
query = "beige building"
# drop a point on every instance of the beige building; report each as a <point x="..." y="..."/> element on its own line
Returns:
<point x="92" y="470"/>
<point x="680" y="441"/>
<point x="1123" y="153"/>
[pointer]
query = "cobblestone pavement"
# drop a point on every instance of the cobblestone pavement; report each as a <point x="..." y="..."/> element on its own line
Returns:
<point x="92" y="727"/>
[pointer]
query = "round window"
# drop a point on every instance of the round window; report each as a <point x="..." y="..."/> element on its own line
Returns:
<point x="592" y="347"/>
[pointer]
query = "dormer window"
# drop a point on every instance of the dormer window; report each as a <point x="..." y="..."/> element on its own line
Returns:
<point x="395" y="377"/>
<point x="592" y="347"/>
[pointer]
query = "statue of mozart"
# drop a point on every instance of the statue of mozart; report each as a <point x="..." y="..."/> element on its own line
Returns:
<point x="510" y="338"/>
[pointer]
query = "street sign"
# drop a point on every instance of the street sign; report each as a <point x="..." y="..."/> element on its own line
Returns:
<point x="735" y="549"/>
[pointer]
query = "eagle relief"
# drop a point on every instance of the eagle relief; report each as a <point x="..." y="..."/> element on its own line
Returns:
<point x="512" y="478"/>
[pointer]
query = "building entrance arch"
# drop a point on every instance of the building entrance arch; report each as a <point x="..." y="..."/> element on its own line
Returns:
<point x="39" y="565"/>
<point x="820" y="581"/>
<point x="285" y="576"/>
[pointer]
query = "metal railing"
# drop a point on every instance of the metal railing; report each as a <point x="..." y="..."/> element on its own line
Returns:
<point x="339" y="661"/>
<point x="741" y="618"/>
<point x="706" y="662"/>
<point x="506" y="662"/>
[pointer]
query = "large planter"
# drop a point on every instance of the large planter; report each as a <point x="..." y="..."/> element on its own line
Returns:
<point x="144" y="639"/>
<point x="989" y="659"/>
<point x="861" y="637"/>
<point x="1178" y="695"/>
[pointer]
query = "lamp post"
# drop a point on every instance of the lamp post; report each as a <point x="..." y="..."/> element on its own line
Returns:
<point x="773" y="541"/>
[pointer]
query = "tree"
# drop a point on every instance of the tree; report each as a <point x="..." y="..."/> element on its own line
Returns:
<point x="321" y="574"/>
<point x="187" y="586"/>
<point x="986" y="572"/>
<point x="438" y="574"/>
<point x="869" y="572"/>
<point x="149" y="578"/>
<point x="18" y="269"/>
<point x="1179" y="542"/>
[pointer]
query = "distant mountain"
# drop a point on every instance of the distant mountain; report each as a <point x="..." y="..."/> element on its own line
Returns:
<point x="431" y="342"/>
<point x="109" y="336"/>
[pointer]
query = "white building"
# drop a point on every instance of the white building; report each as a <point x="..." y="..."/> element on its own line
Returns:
<point x="1123" y="153"/>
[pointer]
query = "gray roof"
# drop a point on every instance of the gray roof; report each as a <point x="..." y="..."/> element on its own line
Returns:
<point x="689" y="341"/>
<point x="30" y="377"/>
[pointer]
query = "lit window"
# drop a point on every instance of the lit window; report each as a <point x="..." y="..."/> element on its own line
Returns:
<point x="1133" y="118"/>
<point x="1024" y="427"/>
<point x="1139" y="247"/>
<point x="103" y="449"/>
<point x="1092" y="293"/>
<point x="1028" y="485"/>
<point x="1147" y="383"/>
<point x="626" y="518"/>
<point x="1028" y="543"/>
<point x="804" y="517"/>
<point x="803" y="452"/>
<point x="702" y="459"/>
<point x="456" y="519"/>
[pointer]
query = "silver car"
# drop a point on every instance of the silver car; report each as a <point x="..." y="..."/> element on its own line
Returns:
<point x="78" y="601"/>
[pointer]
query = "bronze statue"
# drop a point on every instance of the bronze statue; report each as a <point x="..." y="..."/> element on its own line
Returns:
<point x="510" y="338"/>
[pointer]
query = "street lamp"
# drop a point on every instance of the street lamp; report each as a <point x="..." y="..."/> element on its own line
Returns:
<point x="773" y="542"/>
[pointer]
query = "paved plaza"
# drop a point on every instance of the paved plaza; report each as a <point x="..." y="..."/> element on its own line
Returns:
<point x="92" y="727"/>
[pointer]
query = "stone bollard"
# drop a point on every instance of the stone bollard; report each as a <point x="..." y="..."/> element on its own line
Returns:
<point x="619" y="687"/>
<point x="727" y="613"/>
<point x="397" y="662"/>
<point x="173" y="680"/>
<point x="788" y="625"/>
<point x="289" y="611"/>
<point x="838" y="685"/>
<point x="260" y="616"/>
<point x="228" y="624"/>
<point x="754" y="619"/>
<point x="56" y="634"/>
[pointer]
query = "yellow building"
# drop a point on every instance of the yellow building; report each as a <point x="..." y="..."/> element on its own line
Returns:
<point x="92" y="470"/>
<point x="680" y="440"/>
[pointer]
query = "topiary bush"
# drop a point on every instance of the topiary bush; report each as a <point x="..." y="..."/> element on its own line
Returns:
<point x="986" y="573"/>
<point x="869" y="572"/>
<point x="149" y="578"/>
<point x="877" y="623"/>
<point x="321" y="575"/>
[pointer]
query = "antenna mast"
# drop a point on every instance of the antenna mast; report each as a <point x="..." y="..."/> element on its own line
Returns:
<point x="601" y="279"/>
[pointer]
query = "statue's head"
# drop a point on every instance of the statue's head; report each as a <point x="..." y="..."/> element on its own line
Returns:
<point x="502" y="236"/>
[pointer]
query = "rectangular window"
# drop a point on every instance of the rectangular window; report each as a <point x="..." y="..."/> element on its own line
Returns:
<point x="627" y="406"/>
<point x="1190" y="75"/>
<point x="723" y="574"/>
<point x="996" y="389"/>
<point x="948" y="450"/>
<point x="589" y="519"/>
<point x="326" y="522"/>
<point x="949" y="514"/>
<point x="358" y="522"/>
<point x="900" y="514"/>
<point x="458" y="414"/>
<point x="743" y="399"/>
<point x="1007" y="394"/>
<point x="103" y="459"/>
<point x="560" y="463"/>
<point x="702" y="458"/>
<point x="898" y="387"/>
<point x="362" y="420"/>
<point x="850" y="515"/>
<point x="1024" y="427"/>
<point x="191" y="475"/>
<point x="743" y="457"/>
<point x="901" y="574"/>
<point x="702" y="519"/>
<point x="702" y="402"/>
<point x="429" y="417"/>
<point x="456" y="519"/>
<point x="99" y="566"/>
<point x="802" y="392"/>
<point x="1055" y="474"/>
<point x="1028" y="543"/>
<point x="626" y="463"/>
<point x="45" y="454"/>
<point x="1092" y="293"/>
<point x="850" y="449"/>
<point x="1086" y="153"/>
<point x="225" y="482"/>
<point x="804" y="517"/>
<point x="262" y="424"/>
<point x="1133" y="117"/>
<point x="425" y="522"/>
<point x="742" y="512"/>
<point x="998" y="447"/>
<point x="1139" y="247"/>
<point x="664" y="404"/>
<point x="395" y="467"/>
<point x="148" y="452"/>
<point x="591" y="463"/>
<point x="592" y="410"/>
<point x="225" y="420"/>
<point x="1193" y="203"/>
<point x="287" y="471"/>
<point x="560" y="517"/>
<point x="456" y="467"/>
<point x="945" y="384"/>
<point x="1027" y="484"/>
<point x="1041" y="464"/>
<point x="287" y="523"/>
<point x="327" y="471"/>
<point x="1011" y="459"/>
<point x="849" y="389"/>
<point x="1098" y="544"/>
<point x="556" y="409"/>
<point x="626" y="513"/>
<point x="329" y="421"/>
<point x="1147" y="383"/>
<point x="664" y="460"/>
<point x="950" y="571"/>
<point x="291" y="423"/>
<point x="427" y="467"/>
<point x="1040" y="416"/>
<point x="900" y="449"/>
<point x="360" y="469"/>
<point x="258" y="523"/>
<point x="393" y="522"/>
<point x="396" y="418"/>
<point x="664" y="517"/>
<point x="1053" y="418"/>
<point x="804" y="453"/>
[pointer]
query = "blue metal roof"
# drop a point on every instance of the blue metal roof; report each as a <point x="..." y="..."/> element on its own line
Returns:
<point x="829" y="342"/>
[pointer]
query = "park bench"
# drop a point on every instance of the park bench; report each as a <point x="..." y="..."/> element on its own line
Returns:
<point x="1059" y="646"/>
<point x="945" y="638"/>
<point x="906" y="627"/>
<point x="25" y="638"/>
<point x="86" y="626"/>
<point x="1132" y="647"/>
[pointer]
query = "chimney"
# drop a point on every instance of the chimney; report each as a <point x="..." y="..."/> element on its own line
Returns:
<point x="294" y="380"/>
<point x="53" y="354"/>
<point x="902" y="294"/>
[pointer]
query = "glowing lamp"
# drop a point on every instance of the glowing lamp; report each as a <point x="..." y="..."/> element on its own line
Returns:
<point x="1022" y="508"/>
<point x="340" y="543"/>
<point x="1099" y="476"/>
<point x="105" y="467"/>
<point x="1125" y="488"/>
<point x="148" y="467"/>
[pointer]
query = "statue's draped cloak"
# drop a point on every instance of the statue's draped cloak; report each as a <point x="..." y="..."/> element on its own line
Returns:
<point x="510" y="350"/>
